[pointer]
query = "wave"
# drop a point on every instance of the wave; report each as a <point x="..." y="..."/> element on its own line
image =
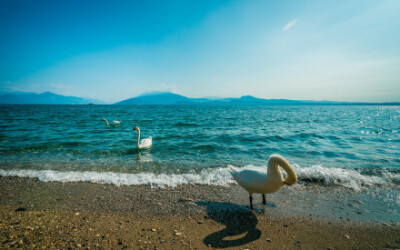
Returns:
<point x="218" y="177"/>
<point x="186" y="124"/>
<point x="348" y="178"/>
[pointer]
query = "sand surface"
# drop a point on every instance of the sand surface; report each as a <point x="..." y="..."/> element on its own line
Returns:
<point x="35" y="214"/>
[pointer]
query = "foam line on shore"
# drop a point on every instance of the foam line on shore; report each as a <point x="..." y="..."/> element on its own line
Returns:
<point x="217" y="177"/>
<point x="349" y="178"/>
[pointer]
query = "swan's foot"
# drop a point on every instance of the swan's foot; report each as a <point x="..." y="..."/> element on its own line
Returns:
<point x="251" y="202"/>
<point x="264" y="201"/>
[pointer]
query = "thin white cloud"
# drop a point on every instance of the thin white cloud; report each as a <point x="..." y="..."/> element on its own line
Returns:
<point x="289" y="25"/>
<point x="6" y="86"/>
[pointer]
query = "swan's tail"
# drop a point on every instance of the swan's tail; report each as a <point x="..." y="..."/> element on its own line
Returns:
<point x="291" y="176"/>
<point x="233" y="170"/>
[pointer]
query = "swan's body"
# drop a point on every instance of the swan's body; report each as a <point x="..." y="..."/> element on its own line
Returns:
<point x="114" y="123"/>
<point x="255" y="181"/>
<point x="144" y="143"/>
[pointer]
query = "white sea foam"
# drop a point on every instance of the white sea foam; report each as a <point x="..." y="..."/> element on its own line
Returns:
<point x="348" y="178"/>
<point x="219" y="177"/>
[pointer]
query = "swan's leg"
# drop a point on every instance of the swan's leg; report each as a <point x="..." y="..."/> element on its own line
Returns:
<point x="264" y="201"/>
<point x="251" y="202"/>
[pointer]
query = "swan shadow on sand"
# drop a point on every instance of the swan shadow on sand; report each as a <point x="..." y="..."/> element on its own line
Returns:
<point x="237" y="219"/>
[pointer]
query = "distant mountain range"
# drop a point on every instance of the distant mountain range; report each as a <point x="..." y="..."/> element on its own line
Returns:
<point x="162" y="98"/>
<point x="44" y="98"/>
<point x="167" y="98"/>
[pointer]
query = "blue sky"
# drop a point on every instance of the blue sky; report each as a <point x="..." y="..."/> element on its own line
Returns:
<point x="113" y="50"/>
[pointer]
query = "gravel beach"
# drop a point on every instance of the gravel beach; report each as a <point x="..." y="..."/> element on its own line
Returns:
<point x="36" y="214"/>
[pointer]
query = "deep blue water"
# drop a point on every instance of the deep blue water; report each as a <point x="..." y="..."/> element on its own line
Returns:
<point x="321" y="141"/>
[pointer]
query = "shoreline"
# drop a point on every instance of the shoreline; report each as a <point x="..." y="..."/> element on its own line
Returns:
<point x="61" y="215"/>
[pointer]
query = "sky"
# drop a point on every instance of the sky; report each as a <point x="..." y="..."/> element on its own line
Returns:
<point x="113" y="50"/>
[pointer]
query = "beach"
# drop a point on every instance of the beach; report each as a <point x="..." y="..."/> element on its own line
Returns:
<point x="36" y="214"/>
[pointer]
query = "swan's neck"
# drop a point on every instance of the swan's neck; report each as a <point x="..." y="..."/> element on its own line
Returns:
<point x="138" y="138"/>
<point x="275" y="173"/>
<point x="107" y="122"/>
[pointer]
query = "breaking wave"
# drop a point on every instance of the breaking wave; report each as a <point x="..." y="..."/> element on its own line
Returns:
<point x="349" y="178"/>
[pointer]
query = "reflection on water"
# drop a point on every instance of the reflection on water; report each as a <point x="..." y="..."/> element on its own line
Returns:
<point x="143" y="155"/>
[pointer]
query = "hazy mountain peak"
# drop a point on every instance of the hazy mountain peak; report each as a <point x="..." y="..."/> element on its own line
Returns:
<point x="43" y="98"/>
<point x="155" y="98"/>
<point x="249" y="97"/>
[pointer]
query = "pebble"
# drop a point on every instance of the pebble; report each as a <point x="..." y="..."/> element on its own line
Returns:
<point x="154" y="230"/>
<point x="268" y="240"/>
<point x="178" y="233"/>
<point x="185" y="199"/>
<point x="346" y="236"/>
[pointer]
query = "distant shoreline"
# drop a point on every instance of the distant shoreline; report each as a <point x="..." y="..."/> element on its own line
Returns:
<point x="165" y="98"/>
<point x="206" y="104"/>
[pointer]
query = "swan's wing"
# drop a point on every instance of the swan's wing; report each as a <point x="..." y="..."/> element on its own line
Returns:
<point x="251" y="180"/>
<point x="146" y="143"/>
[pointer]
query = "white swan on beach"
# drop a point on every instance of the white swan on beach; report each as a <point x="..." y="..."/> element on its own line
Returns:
<point x="257" y="181"/>
<point x="114" y="123"/>
<point x="145" y="143"/>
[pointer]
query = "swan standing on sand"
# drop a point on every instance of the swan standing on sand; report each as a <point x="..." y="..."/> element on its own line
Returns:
<point x="255" y="181"/>
<point x="115" y="123"/>
<point x="145" y="143"/>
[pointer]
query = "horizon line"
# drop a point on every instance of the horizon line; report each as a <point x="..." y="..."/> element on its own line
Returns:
<point x="208" y="98"/>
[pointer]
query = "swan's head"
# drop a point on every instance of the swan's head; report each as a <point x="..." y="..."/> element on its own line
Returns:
<point x="103" y="119"/>
<point x="136" y="128"/>
<point x="291" y="179"/>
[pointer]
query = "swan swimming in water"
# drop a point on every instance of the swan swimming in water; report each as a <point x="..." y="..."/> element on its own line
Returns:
<point x="256" y="181"/>
<point x="114" y="123"/>
<point x="145" y="143"/>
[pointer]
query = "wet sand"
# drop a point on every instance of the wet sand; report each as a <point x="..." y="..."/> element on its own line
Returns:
<point x="35" y="214"/>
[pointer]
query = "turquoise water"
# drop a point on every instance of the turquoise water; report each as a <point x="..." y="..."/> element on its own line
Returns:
<point x="351" y="146"/>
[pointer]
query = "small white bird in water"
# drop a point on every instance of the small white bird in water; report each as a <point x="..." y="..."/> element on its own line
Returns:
<point x="114" y="123"/>
<point x="145" y="143"/>
<point x="257" y="181"/>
